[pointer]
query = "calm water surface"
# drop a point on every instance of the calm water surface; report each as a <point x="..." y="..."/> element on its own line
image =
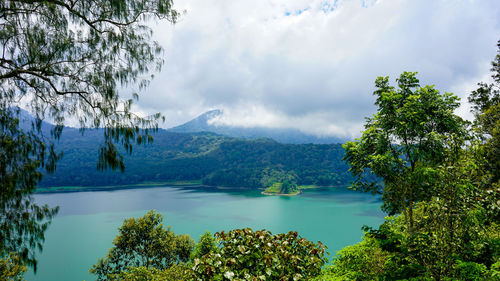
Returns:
<point x="88" y="221"/>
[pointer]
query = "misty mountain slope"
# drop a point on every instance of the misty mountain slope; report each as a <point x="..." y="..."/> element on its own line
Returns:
<point x="214" y="159"/>
<point x="291" y="136"/>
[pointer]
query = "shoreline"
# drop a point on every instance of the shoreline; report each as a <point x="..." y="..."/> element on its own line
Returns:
<point x="181" y="184"/>
<point x="68" y="189"/>
<point x="299" y="192"/>
<point x="283" y="194"/>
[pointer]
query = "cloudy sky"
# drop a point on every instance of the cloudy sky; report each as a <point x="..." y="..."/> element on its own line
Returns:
<point x="311" y="65"/>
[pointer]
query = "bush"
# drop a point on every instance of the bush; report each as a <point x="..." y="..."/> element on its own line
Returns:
<point x="245" y="254"/>
<point x="362" y="261"/>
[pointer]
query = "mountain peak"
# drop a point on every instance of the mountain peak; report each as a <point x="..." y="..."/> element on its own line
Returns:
<point x="209" y="115"/>
<point x="283" y="135"/>
<point x="198" y="124"/>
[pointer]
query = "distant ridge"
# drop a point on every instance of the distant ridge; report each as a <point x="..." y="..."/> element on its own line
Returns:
<point x="201" y="157"/>
<point x="291" y="136"/>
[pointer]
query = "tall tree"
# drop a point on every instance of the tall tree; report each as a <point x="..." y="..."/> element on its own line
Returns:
<point x="402" y="141"/>
<point x="485" y="103"/>
<point x="60" y="59"/>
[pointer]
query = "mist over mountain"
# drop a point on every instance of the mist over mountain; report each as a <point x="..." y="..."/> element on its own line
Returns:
<point x="284" y="135"/>
<point x="204" y="156"/>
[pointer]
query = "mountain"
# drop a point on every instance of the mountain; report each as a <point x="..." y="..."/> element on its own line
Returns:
<point x="201" y="156"/>
<point x="207" y="157"/>
<point x="290" y="136"/>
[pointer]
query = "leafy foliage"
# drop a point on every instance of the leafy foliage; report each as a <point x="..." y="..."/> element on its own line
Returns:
<point x="453" y="232"/>
<point x="362" y="261"/>
<point x="143" y="242"/>
<point x="22" y="222"/>
<point x="11" y="268"/>
<point x="69" y="58"/>
<point x="390" y="253"/>
<point x="60" y="59"/>
<point x="144" y="250"/>
<point x="404" y="141"/>
<point x="245" y="254"/>
<point x="206" y="244"/>
<point x="486" y="151"/>
<point x="176" y="272"/>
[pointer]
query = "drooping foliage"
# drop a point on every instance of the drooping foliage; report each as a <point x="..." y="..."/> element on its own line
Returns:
<point x="22" y="222"/>
<point x="63" y="59"/>
<point x="70" y="58"/>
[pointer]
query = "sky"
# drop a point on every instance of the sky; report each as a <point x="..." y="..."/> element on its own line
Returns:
<point x="311" y="65"/>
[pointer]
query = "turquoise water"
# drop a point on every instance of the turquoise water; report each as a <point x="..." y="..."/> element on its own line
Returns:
<point x="88" y="221"/>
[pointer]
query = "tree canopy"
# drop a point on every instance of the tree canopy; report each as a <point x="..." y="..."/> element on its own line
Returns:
<point x="448" y="229"/>
<point x="70" y="58"/>
<point x="409" y="135"/>
<point x="485" y="101"/>
<point x="63" y="59"/>
<point x="143" y="242"/>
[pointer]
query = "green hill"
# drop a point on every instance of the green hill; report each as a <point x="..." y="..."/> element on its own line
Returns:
<point x="212" y="159"/>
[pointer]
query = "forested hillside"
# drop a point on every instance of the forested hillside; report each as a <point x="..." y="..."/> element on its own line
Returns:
<point x="214" y="159"/>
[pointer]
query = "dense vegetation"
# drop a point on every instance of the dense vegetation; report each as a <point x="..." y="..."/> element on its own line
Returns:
<point x="441" y="174"/>
<point x="144" y="250"/>
<point x="439" y="178"/>
<point x="60" y="59"/>
<point x="214" y="159"/>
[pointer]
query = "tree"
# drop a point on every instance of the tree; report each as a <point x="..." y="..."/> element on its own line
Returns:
<point x="69" y="58"/>
<point x="22" y="222"/>
<point x="362" y="261"/>
<point x="485" y="103"/>
<point x="205" y="245"/>
<point x="403" y="142"/>
<point x="288" y="187"/>
<point x="60" y="59"/>
<point x="448" y="230"/>
<point x="143" y="242"/>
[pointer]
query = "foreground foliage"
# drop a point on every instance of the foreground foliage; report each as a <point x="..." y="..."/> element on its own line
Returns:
<point x="245" y="254"/>
<point x="448" y="191"/>
<point x="390" y="254"/>
<point x="144" y="250"/>
<point x="64" y="59"/>
<point x="22" y="222"/>
<point x="404" y="142"/>
<point x="144" y="244"/>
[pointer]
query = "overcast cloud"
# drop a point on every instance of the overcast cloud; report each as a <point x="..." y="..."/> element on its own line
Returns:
<point x="311" y="65"/>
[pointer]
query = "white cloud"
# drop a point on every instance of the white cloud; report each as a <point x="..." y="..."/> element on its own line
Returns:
<point x="280" y="63"/>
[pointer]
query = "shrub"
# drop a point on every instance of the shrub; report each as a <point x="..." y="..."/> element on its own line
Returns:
<point x="245" y="254"/>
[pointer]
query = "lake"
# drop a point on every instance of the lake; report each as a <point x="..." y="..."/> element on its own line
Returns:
<point x="88" y="221"/>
